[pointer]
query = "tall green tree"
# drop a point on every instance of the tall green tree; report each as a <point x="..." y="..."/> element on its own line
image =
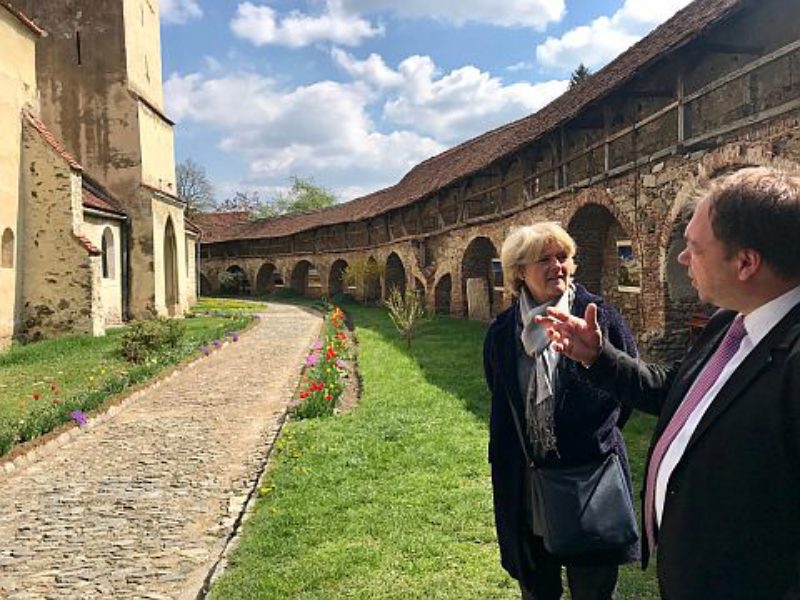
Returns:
<point x="194" y="187"/>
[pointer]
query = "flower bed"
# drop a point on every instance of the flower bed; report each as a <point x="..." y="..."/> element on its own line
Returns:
<point x="325" y="376"/>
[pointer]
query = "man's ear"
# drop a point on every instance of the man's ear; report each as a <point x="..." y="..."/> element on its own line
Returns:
<point x="748" y="263"/>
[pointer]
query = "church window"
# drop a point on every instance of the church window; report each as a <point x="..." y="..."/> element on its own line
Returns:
<point x="7" y="260"/>
<point x="107" y="247"/>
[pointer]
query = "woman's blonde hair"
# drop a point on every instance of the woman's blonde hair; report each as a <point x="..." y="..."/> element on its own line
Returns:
<point x="524" y="245"/>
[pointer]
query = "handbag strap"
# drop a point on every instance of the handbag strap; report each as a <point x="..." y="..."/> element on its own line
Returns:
<point x="517" y="425"/>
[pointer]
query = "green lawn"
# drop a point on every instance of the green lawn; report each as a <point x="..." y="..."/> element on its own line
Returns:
<point x="392" y="500"/>
<point x="42" y="382"/>
<point x="219" y="304"/>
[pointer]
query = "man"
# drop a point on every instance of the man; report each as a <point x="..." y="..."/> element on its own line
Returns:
<point x="722" y="479"/>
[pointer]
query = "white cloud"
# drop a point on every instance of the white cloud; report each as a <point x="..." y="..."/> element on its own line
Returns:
<point x="261" y="25"/>
<point x="605" y="37"/>
<point x="525" y="13"/>
<point x="520" y="66"/>
<point x="451" y="107"/>
<point x="322" y="130"/>
<point x="372" y="70"/>
<point x="177" y="12"/>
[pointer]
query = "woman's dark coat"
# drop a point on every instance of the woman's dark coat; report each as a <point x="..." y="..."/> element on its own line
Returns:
<point x="587" y="422"/>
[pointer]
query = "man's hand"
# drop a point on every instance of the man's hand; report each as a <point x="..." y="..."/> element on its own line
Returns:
<point x="579" y="339"/>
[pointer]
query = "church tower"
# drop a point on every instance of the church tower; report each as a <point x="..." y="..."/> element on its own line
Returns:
<point x="99" y="76"/>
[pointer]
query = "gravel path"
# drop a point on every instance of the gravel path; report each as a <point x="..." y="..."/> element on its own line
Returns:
<point x="140" y="504"/>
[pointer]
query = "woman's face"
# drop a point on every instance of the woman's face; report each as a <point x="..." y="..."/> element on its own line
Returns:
<point x="548" y="277"/>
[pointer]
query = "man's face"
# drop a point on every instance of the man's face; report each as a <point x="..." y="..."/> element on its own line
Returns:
<point x="712" y="271"/>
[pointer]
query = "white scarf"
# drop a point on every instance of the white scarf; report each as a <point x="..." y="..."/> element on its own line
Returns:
<point x="539" y="397"/>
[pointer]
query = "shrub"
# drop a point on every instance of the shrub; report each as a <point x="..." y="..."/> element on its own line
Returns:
<point x="148" y="338"/>
<point x="406" y="309"/>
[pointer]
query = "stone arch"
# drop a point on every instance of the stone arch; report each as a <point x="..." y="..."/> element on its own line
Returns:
<point x="443" y="295"/>
<point x="373" y="291"/>
<point x="265" y="278"/>
<point x="395" y="274"/>
<point x="234" y="281"/>
<point x="335" y="277"/>
<point x="419" y="286"/>
<point x="171" y="298"/>
<point x="7" y="249"/>
<point x="205" y="286"/>
<point x="108" y="256"/>
<point x="476" y="263"/>
<point x="605" y="265"/>
<point x="299" y="278"/>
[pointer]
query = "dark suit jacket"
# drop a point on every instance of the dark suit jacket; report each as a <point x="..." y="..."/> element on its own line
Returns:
<point x="731" y="520"/>
<point x="586" y="422"/>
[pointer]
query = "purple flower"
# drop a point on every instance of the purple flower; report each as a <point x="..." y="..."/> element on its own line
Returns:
<point x="205" y="350"/>
<point x="217" y="344"/>
<point x="79" y="417"/>
<point x="312" y="359"/>
<point x="235" y="336"/>
<point x="317" y="345"/>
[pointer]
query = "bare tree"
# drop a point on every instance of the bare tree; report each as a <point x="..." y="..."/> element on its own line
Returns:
<point x="194" y="187"/>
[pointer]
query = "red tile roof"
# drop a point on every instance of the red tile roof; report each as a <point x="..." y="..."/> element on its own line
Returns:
<point x="87" y="244"/>
<point x="473" y="155"/>
<point x="96" y="197"/>
<point x="25" y="20"/>
<point x="52" y="141"/>
<point x="190" y="226"/>
<point x="220" y="226"/>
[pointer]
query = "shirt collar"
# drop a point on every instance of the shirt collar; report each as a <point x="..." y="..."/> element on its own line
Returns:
<point x="761" y="321"/>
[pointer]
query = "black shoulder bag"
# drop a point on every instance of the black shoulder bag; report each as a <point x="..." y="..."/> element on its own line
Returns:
<point x="580" y="509"/>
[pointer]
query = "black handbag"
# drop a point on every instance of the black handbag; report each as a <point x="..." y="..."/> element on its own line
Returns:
<point x="580" y="509"/>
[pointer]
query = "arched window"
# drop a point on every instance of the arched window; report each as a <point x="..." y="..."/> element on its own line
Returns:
<point x="108" y="253"/>
<point x="7" y="260"/>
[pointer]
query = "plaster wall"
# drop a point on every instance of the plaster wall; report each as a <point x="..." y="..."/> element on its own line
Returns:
<point x="162" y="211"/>
<point x="191" y="269"/>
<point x="111" y="286"/>
<point x="158" y="150"/>
<point x="143" y="49"/>
<point x="17" y="89"/>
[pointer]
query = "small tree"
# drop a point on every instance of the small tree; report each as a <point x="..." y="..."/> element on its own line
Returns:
<point x="579" y="75"/>
<point x="193" y="186"/>
<point x="360" y="272"/>
<point x="406" y="309"/>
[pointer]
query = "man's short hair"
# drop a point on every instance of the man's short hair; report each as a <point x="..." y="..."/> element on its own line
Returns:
<point x="758" y="208"/>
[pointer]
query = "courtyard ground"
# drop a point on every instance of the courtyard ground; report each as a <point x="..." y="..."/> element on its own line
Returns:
<point x="140" y="503"/>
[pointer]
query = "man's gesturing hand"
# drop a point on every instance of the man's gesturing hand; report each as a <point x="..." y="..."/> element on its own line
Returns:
<point x="579" y="339"/>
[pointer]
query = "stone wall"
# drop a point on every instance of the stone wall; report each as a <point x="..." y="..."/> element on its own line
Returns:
<point x="60" y="271"/>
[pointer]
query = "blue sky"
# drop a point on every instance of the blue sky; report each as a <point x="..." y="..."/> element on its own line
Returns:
<point x="354" y="93"/>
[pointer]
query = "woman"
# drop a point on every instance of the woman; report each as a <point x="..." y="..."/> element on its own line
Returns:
<point x="567" y="420"/>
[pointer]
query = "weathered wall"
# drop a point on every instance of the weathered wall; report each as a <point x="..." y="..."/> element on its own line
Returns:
<point x="17" y="89"/>
<point x="60" y="283"/>
<point x="94" y="228"/>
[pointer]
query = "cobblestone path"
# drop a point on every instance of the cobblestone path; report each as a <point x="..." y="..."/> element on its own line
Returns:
<point x="139" y="505"/>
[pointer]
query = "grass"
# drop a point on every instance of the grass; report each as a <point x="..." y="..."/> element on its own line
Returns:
<point x="217" y="304"/>
<point x="392" y="500"/>
<point x="42" y="382"/>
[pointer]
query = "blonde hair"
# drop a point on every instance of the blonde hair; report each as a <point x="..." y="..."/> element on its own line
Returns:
<point x="524" y="245"/>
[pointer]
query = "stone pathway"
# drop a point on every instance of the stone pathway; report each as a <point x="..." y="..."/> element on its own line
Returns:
<point x="140" y="505"/>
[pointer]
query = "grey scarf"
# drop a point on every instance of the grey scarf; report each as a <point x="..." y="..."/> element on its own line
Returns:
<point x="539" y="397"/>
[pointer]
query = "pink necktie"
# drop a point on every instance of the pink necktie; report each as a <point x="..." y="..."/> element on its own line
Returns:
<point x="710" y="373"/>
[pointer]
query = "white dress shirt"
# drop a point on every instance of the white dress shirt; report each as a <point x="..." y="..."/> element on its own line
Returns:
<point x="757" y="324"/>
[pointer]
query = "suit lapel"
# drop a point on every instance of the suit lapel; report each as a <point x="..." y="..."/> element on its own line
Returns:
<point x="758" y="359"/>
